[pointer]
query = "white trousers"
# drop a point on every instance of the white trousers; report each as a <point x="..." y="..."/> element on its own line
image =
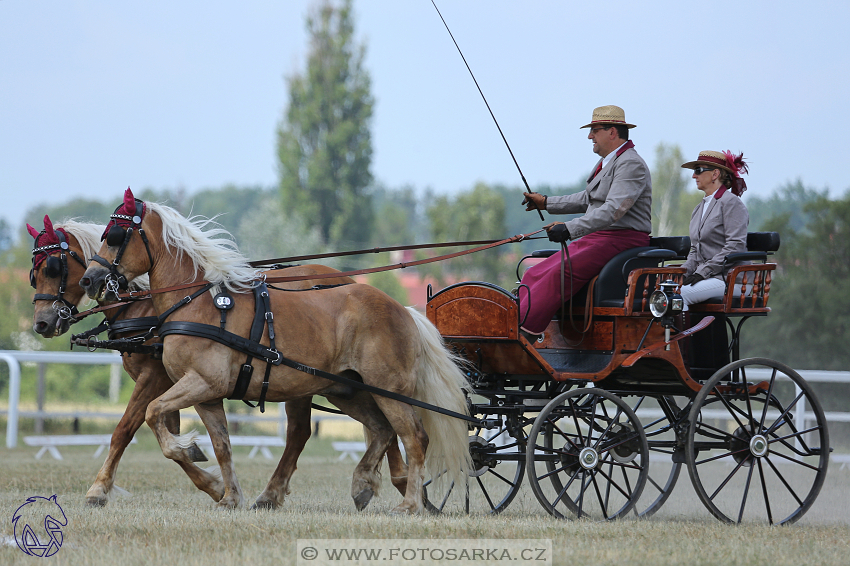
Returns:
<point x="702" y="291"/>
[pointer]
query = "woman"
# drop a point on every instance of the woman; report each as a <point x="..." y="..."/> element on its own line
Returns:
<point x="718" y="224"/>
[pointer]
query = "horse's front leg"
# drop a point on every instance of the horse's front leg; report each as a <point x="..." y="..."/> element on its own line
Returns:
<point x="190" y="390"/>
<point x="215" y="421"/>
<point x="149" y="385"/>
<point x="297" y="433"/>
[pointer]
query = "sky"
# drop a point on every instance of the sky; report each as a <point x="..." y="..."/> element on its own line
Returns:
<point x="96" y="96"/>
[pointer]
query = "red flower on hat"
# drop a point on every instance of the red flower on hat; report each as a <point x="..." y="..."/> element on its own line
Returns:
<point x="737" y="164"/>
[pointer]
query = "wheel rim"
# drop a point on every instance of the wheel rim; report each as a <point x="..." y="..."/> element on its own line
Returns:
<point x="587" y="456"/>
<point x="765" y="460"/>
<point x="496" y="477"/>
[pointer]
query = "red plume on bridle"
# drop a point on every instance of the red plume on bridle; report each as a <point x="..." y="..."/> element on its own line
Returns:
<point x="45" y="239"/>
<point x="737" y="164"/>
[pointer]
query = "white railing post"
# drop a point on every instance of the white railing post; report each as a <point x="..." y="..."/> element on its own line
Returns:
<point x="14" y="397"/>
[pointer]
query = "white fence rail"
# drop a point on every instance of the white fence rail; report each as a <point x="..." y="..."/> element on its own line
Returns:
<point x="13" y="359"/>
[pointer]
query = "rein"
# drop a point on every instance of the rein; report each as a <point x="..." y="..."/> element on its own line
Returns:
<point x="144" y="294"/>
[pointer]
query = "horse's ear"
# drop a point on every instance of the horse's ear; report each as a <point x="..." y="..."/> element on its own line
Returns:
<point x="33" y="232"/>
<point x="129" y="202"/>
<point x="48" y="227"/>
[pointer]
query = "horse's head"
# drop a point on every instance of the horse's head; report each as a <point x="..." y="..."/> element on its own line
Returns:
<point x="57" y="265"/>
<point x="125" y="253"/>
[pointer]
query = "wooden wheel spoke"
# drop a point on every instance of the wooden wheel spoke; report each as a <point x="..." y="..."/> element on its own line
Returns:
<point x="725" y="481"/>
<point x="484" y="491"/>
<point x="746" y="493"/>
<point x="764" y="492"/>
<point x="784" y="482"/>
<point x="501" y="477"/>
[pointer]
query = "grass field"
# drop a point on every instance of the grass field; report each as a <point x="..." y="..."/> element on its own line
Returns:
<point x="166" y="521"/>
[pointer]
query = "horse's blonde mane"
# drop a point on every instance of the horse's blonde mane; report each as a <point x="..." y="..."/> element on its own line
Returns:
<point x="88" y="236"/>
<point x="211" y="249"/>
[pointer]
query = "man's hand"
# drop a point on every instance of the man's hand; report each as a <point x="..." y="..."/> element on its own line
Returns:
<point x="692" y="278"/>
<point x="534" y="201"/>
<point x="557" y="232"/>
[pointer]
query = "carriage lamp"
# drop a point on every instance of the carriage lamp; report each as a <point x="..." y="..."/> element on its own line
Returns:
<point x="664" y="304"/>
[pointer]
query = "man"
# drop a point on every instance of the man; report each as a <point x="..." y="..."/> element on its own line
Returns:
<point x="617" y="203"/>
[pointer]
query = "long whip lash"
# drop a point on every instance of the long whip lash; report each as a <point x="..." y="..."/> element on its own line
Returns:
<point x="488" y="106"/>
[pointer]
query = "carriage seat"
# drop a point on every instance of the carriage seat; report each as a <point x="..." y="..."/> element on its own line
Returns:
<point x="610" y="287"/>
<point x="759" y="246"/>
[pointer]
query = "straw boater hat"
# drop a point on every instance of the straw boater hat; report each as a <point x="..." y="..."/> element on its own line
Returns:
<point x="727" y="161"/>
<point x="713" y="159"/>
<point x="608" y="115"/>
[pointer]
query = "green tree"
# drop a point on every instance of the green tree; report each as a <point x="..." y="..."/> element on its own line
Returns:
<point x="477" y="214"/>
<point x="672" y="203"/>
<point x="809" y="326"/>
<point x="325" y="142"/>
<point x="790" y="199"/>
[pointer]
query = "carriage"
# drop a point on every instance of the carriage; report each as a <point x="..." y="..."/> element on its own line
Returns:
<point x="600" y="412"/>
<point x="623" y="388"/>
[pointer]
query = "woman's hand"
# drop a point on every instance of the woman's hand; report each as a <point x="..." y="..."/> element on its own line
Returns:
<point x="692" y="278"/>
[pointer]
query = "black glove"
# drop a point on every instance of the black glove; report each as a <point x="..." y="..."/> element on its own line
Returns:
<point x="558" y="233"/>
<point x="692" y="278"/>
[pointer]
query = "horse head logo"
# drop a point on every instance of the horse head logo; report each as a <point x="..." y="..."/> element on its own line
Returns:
<point x="29" y="518"/>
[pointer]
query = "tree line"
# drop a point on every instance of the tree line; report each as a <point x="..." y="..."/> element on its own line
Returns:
<point x="327" y="200"/>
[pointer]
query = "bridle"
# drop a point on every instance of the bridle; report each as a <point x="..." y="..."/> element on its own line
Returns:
<point x="55" y="267"/>
<point x="118" y="236"/>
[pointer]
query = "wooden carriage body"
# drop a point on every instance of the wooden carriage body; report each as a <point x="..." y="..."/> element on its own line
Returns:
<point x="610" y="322"/>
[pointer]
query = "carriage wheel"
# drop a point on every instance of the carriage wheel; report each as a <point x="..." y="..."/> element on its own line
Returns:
<point x="757" y="455"/>
<point x="498" y="466"/>
<point x="587" y="456"/>
<point x="661" y="437"/>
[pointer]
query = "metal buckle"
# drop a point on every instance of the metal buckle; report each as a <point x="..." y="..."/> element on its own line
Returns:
<point x="62" y="310"/>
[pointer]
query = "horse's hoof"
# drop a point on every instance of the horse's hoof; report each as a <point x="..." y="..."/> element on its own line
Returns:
<point x="96" y="501"/>
<point x="401" y="510"/>
<point x="228" y="505"/>
<point x="362" y="499"/>
<point x="266" y="504"/>
<point x="195" y="454"/>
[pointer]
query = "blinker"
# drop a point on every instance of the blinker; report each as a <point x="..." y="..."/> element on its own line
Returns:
<point x="52" y="267"/>
<point x="115" y="236"/>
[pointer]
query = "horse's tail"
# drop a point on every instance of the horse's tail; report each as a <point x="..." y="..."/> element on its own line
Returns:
<point x="441" y="382"/>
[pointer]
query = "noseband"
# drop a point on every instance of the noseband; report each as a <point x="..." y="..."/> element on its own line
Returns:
<point x="61" y="306"/>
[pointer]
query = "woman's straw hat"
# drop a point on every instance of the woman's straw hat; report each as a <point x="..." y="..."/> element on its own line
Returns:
<point x="608" y="115"/>
<point x="713" y="159"/>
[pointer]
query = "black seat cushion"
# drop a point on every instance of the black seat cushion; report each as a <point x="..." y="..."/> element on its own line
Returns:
<point x="762" y="241"/>
<point x="679" y="244"/>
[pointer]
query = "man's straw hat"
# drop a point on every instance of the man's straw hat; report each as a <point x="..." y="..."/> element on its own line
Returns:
<point x="608" y="115"/>
<point x="713" y="159"/>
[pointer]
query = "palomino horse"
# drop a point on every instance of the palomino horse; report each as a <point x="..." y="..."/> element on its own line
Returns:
<point x="56" y="282"/>
<point x="355" y="331"/>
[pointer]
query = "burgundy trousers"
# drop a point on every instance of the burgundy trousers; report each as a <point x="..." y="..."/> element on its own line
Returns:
<point x="588" y="255"/>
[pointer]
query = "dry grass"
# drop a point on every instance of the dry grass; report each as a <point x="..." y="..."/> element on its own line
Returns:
<point x="166" y="521"/>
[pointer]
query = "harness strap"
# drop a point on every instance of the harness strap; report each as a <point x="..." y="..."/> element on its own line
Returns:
<point x="377" y="390"/>
<point x="144" y="323"/>
<point x="273" y="357"/>
<point x="215" y="333"/>
<point x="247" y="370"/>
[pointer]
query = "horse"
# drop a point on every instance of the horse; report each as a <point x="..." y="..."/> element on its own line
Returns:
<point x="354" y="331"/>
<point x="55" y="294"/>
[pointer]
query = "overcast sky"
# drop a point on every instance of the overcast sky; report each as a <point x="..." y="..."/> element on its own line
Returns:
<point x="99" y="95"/>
